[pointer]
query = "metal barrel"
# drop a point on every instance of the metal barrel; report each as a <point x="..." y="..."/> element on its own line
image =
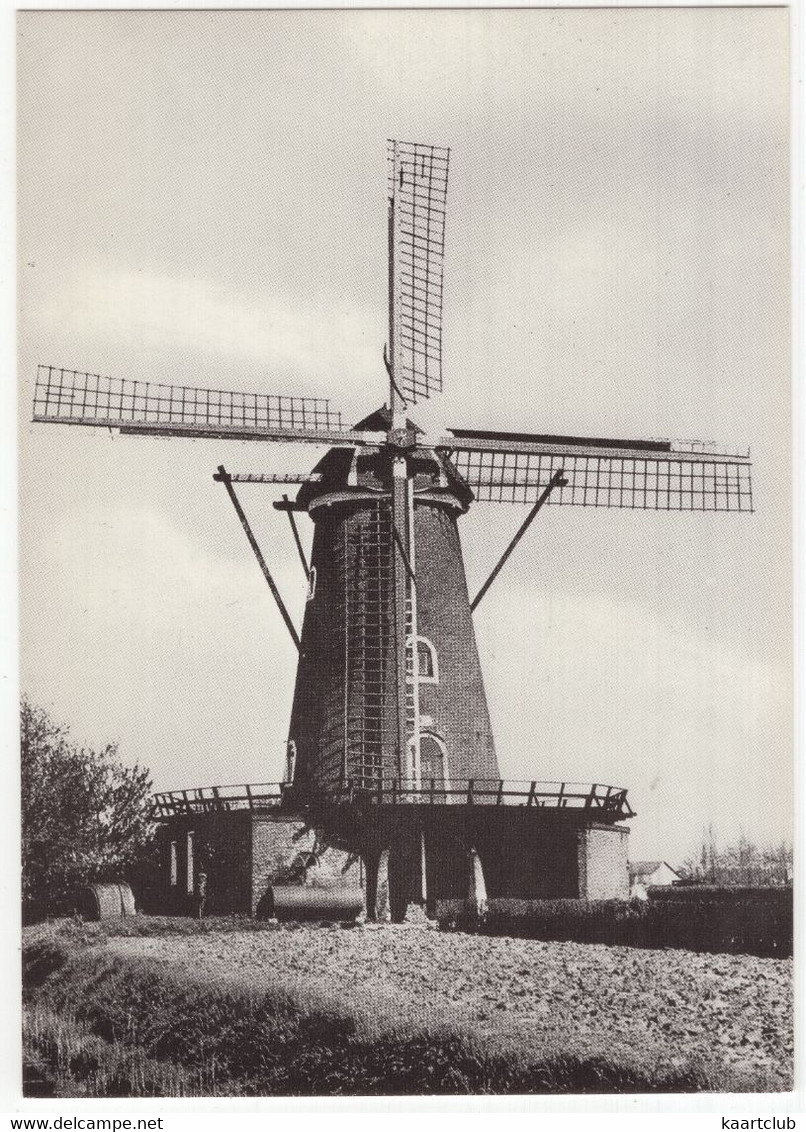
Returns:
<point x="106" y="901"/>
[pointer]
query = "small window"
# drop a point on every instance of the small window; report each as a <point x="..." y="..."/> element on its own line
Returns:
<point x="190" y="875"/>
<point x="427" y="664"/>
<point x="174" y="864"/>
<point x="311" y="584"/>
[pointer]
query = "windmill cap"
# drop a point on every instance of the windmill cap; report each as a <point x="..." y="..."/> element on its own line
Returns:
<point x="381" y="421"/>
<point x="345" y="475"/>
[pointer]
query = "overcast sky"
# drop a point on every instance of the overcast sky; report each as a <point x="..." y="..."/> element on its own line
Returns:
<point x="202" y="200"/>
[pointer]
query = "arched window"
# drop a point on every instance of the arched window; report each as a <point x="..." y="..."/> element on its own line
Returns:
<point x="311" y="584"/>
<point x="427" y="663"/>
<point x="433" y="770"/>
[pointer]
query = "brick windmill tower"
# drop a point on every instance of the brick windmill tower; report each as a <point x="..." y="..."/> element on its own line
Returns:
<point x="390" y="750"/>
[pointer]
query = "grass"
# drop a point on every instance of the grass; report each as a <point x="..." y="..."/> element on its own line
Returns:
<point x="64" y="1058"/>
<point x="99" y="1024"/>
<point x="79" y="930"/>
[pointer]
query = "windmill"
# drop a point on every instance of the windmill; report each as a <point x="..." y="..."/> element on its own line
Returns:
<point x="389" y="705"/>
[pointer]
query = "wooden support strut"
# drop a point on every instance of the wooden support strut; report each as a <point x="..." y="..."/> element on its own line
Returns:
<point x="557" y="480"/>
<point x="221" y="476"/>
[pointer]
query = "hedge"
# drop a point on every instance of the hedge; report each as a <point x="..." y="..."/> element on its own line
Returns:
<point x="751" y="921"/>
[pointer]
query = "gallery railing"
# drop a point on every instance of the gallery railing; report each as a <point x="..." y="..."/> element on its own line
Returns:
<point x="606" y="801"/>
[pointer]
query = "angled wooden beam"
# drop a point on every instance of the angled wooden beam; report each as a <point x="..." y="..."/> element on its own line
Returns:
<point x="222" y="477"/>
<point x="557" y="480"/>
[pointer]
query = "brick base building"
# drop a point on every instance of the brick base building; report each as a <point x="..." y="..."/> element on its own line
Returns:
<point x="439" y="855"/>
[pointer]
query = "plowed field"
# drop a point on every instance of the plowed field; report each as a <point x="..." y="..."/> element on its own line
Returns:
<point x="662" y="1008"/>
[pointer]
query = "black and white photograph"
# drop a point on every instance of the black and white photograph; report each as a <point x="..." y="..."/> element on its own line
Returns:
<point x="405" y="552"/>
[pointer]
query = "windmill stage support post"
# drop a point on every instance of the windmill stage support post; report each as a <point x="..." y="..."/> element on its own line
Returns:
<point x="423" y="873"/>
<point x="477" y="889"/>
<point x="377" y="891"/>
<point x="557" y="480"/>
<point x="221" y="476"/>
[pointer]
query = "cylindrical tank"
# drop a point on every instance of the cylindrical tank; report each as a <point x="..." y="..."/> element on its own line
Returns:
<point x="299" y="902"/>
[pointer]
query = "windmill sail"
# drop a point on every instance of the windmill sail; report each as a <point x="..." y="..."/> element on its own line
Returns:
<point x="418" y="186"/>
<point x="64" y="396"/>
<point x="637" y="475"/>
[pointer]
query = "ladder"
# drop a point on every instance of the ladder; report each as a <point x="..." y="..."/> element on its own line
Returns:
<point x="367" y="622"/>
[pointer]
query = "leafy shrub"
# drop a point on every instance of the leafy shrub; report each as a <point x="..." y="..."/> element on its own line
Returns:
<point x="85" y="816"/>
<point x="776" y="895"/>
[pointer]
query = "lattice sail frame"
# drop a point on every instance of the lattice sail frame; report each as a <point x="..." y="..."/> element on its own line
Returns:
<point x="418" y="187"/>
<point x="67" y="396"/>
<point x="657" y="476"/>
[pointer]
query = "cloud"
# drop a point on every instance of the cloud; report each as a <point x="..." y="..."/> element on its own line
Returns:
<point x="531" y="63"/>
<point x="124" y="561"/>
<point x="135" y="630"/>
<point x="147" y="312"/>
<point x="608" y="691"/>
<point x="567" y="643"/>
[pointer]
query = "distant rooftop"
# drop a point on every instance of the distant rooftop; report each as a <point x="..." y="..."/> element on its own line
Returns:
<point x="647" y="868"/>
